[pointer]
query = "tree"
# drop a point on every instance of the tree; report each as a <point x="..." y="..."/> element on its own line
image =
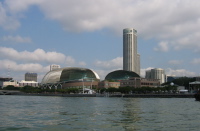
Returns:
<point x="125" y="90"/>
<point x="11" y="87"/>
<point x="112" y="89"/>
<point x="102" y="90"/>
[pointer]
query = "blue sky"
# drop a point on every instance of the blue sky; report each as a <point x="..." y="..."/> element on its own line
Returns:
<point x="75" y="33"/>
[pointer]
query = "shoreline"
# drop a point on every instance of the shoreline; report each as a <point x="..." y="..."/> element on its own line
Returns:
<point x="106" y="95"/>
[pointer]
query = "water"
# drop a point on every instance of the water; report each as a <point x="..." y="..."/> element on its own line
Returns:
<point x="46" y="113"/>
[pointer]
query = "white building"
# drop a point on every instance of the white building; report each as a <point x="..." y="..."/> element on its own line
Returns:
<point x="156" y="73"/>
<point x="10" y="83"/>
<point x="131" y="59"/>
<point x="54" y="67"/>
<point x="28" y="83"/>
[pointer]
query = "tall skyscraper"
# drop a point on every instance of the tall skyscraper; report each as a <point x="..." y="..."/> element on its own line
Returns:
<point x="131" y="59"/>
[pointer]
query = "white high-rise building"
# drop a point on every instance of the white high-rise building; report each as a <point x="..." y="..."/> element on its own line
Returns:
<point x="131" y="59"/>
<point x="53" y="67"/>
<point x="156" y="73"/>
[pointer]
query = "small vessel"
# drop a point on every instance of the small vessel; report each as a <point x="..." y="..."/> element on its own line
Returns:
<point x="197" y="96"/>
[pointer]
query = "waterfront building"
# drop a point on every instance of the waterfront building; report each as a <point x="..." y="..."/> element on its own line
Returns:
<point x="10" y="83"/>
<point x="127" y="78"/>
<point x="148" y="74"/>
<point x="106" y="84"/>
<point x="30" y="76"/>
<point x="137" y="82"/>
<point x="156" y="73"/>
<point x="70" y="77"/>
<point x="4" y="79"/>
<point x="131" y="59"/>
<point x="28" y="83"/>
<point x="120" y="75"/>
<point x="54" y="67"/>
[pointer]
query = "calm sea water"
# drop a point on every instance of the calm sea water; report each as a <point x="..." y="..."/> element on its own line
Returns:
<point x="47" y="113"/>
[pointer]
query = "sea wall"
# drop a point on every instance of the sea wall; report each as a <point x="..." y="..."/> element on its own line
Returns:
<point x="108" y="95"/>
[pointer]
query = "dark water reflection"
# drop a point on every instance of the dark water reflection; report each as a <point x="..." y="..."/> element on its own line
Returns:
<point x="30" y="113"/>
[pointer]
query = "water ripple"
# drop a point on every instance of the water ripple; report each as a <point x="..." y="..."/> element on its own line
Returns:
<point x="30" y="113"/>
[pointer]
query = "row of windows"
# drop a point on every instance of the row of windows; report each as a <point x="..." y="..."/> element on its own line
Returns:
<point x="132" y="83"/>
<point x="106" y="84"/>
<point x="127" y="83"/>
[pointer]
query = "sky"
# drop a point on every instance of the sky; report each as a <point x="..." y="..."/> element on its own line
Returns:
<point x="35" y="34"/>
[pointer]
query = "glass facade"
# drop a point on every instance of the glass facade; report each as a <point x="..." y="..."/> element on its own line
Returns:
<point x="69" y="74"/>
<point x="121" y="75"/>
<point x="77" y="74"/>
<point x="52" y="77"/>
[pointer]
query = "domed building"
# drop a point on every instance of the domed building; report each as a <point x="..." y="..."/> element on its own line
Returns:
<point x="70" y="77"/>
<point x="113" y="79"/>
<point x="121" y="75"/>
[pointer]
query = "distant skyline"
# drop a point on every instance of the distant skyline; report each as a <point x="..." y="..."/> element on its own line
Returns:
<point x="35" y="34"/>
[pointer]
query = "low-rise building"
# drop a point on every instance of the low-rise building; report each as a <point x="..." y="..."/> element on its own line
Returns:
<point x="10" y="83"/>
<point x="28" y="83"/>
<point x="107" y="84"/>
<point x="4" y="79"/>
<point x="137" y="82"/>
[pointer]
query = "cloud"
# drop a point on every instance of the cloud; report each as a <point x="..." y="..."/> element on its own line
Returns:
<point x="179" y="72"/>
<point x="27" y="67"/>
<point x="143" y="71"/>
<point x="39" y="55"/>
<point x="171" y="72"/>
<point x="16" y="70"/>
<point x="173" y="23"/>
<point x="175" y="62"/>
<point x="196" y="61"/>
<point x="112" y="64"/>
<point x="105" y="67"/>
<point x="162" y="46"/>
<point x="20" y="5"/>
<point x="7" y="22"/>
<point x="82" y="63"/>
<point x="153" y="19"/>
<point x="17" y="39"/>
<point x="25" y="61"/>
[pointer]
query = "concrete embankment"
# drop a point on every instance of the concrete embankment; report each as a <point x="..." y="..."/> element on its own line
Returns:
<point x="108" y="95"/>
<point x="160" y="95"/>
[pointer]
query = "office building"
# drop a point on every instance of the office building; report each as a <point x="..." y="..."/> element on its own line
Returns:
<point x="28" y="83"/>
<point x="156" y="73"/>
<point x="131" y="59"/>
<point x="29" y="76"/>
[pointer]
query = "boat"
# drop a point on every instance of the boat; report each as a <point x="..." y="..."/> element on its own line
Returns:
<point x="197" y="96"/>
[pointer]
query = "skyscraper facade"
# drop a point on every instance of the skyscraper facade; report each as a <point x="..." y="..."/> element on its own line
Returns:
<point x="131" y="59"/>
<point x="29" y="76"/>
